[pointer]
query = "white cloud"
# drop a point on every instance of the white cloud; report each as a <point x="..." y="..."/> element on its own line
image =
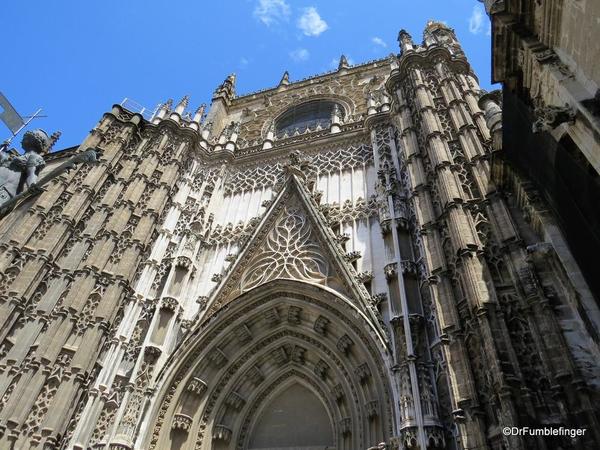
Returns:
<point x="378" y="41"/>
<point x="272" y="11"/>
<point x="310" y="22"/>
<point x="489" y="29"/>
<point x="300" y="54"/>
<point x="476" y="20"/>
<point x="244" y="61"/>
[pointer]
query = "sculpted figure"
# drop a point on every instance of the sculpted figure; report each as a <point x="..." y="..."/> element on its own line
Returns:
<point x="19" y="172"/>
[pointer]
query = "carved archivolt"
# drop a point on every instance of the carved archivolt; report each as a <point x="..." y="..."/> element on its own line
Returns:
<point x="294" y="374"/>
<point x="289" y="252"/>
<point x="274" y="351"/>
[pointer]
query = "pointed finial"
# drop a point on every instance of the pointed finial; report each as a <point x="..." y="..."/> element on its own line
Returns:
<point x="227" y="88"/>
<point x="184" y="101"/>
<point x="405" y="41"/>
<point x="200" y="110"/>
<point x="163" y="109"/>
<point x="285" y="79"/>
<point x="404" y="36"/>
<point x="343" y="63"/>
<point x="199" y="113"/>
<point x="54" y="137"/>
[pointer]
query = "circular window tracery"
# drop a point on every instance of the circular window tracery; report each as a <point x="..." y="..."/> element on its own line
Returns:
<point x="312" y="115"/>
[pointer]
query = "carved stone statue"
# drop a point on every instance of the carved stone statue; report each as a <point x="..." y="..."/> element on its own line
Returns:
<point x="300" y="165"/>
<point x="19" y="172"/>
<point x="550" y="117"/>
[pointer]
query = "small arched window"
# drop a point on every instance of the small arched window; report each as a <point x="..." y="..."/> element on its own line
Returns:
<point x="311" y="115"/>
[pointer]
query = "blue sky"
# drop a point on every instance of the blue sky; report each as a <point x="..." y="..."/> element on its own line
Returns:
<point x="75" y="58"/>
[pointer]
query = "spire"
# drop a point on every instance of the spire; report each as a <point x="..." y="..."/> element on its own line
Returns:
<point x="183" y="103"/>
<point x="227" y="89"/>
<point x="285" y="79"/>
<point x="163" y="110"/>
<point x="199" y="113"/>
<point x="405" y="41"/>
<point x="168" y="104"/>
<point x="343" y="63"/>
<point x="54" y="137"/>
<point x="195" y="123"/>
<point x="438" y="33"/>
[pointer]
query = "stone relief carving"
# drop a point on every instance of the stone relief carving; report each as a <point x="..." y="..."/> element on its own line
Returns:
<point x="550" y="117"/>
<point x="289" y="252"/>
<point x="258" y="177"/>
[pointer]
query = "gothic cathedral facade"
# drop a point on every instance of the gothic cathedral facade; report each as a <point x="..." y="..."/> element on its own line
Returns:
<point x="321" y="265"/>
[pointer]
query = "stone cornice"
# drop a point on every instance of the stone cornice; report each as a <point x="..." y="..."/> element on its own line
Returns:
<point x="378" y="63"/>
<point x="203" y="151"/>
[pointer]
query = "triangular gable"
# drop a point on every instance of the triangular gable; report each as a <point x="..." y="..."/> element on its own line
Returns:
<point x="292" y="241"/>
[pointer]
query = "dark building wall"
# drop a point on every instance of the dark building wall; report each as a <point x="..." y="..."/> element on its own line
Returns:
<point x="570" y="186"/>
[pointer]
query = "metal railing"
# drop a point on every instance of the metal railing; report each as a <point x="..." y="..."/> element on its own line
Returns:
<point x="133" y="106"/>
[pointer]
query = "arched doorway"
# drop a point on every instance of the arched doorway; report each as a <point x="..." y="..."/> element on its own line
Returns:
<point x="282" y="351"/>
<point x="292" y="418"/>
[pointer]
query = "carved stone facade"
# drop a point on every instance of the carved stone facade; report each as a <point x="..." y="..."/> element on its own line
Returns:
<point x="355" y="283"/>
<point x="546" y="56"/>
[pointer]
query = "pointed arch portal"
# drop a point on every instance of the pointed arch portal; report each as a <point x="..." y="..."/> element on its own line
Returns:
<point x="286" y="365"/>
<point x="293" y="418"/>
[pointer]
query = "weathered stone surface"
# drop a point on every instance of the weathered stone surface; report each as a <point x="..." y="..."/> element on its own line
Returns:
<point x="356" y="272"/>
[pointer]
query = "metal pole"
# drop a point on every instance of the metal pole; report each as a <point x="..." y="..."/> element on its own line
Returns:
<point x="35" y="114"/>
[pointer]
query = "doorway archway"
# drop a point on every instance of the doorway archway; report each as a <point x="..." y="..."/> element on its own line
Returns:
<point x="292" y="417"/>
<point x="266" y="348"/>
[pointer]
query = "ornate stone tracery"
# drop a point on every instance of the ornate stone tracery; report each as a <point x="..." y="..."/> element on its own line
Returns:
<point x="163" y="297"/>
<point x="253" y="179"/>
<point x="289" y="252"/>
<point x="260" y="346"/>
